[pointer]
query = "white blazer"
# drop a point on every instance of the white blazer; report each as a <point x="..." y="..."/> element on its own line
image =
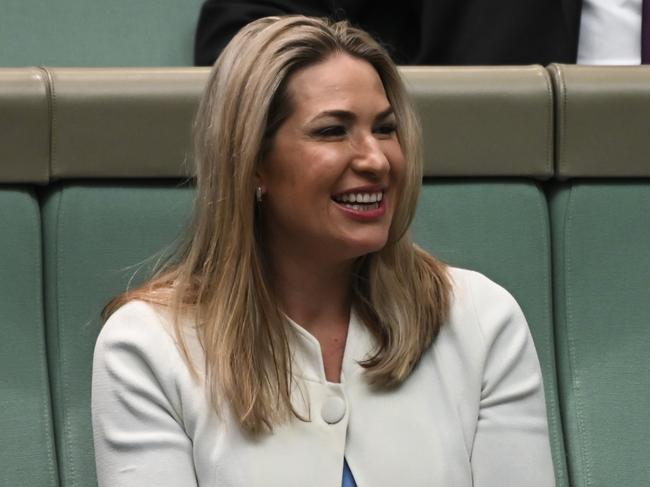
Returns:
<point x="472" y="413"/>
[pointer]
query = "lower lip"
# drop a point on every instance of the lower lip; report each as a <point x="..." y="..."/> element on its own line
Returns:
<point x="365" y="215"/>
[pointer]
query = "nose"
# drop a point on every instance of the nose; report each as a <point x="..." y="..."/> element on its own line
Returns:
<point x="370" y="158"/>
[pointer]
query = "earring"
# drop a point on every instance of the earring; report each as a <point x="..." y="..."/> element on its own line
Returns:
<point x="258" y="194"/>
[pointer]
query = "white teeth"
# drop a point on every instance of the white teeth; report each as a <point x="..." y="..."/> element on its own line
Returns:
<point x="364" y="198"/>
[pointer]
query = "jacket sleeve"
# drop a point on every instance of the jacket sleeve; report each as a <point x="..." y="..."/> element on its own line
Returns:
<point x="511" y="446"/>
<point x="137" y="426"/>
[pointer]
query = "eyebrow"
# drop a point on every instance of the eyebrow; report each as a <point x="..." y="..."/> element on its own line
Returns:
<point x="347" y="115"/>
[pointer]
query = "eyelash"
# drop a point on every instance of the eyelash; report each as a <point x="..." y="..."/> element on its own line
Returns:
<point x="386" y="129"/>
<point x="331" y="131"/>
<point x="340" y="130"/>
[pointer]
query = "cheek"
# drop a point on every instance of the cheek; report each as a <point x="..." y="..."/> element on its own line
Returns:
<point x="316" y="171"/>
<point x="301" y="185"/>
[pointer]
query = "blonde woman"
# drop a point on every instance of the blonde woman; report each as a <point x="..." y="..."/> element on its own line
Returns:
<point x="300" y="338"/>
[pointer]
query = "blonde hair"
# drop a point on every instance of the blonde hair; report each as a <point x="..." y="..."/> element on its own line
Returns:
<point x="219" y="276"/>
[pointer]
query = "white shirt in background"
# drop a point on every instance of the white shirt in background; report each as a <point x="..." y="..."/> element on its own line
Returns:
<point x="610" y="32"/>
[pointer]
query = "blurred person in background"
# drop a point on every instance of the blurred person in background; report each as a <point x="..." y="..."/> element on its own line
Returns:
<point x="421" y="32"/>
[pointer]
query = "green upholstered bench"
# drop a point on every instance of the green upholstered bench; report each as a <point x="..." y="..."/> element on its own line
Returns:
<point x="119" y="140"/>
<point x="27" y="455"/>
<point x="601" y="279"/>
<point x="115" y="200"/>
<point x="94" y="186"/>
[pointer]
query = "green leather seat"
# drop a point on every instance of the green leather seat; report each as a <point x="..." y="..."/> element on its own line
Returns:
<point x="101" y="222"/>
<point x="100" y="239"/>
<point x="601" y="243"/>
<point x="27" y="454"/>
<point x="27" y="440"/>
<point x="120" y="140"/>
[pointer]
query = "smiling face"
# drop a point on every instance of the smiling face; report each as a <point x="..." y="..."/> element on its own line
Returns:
<point x="334" y="170"/>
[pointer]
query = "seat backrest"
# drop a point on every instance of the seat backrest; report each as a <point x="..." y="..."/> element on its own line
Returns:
<point x="601" y="242"/>
<point x="27" y="442"/>
<point x="100" y="239"/>
<point x="119" y="142"/>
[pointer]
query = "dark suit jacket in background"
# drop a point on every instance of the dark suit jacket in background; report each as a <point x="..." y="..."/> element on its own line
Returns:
<point x="435" y="32"/>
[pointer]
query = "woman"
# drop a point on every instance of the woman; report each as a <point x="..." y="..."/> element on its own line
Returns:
<point x="300" y="337"/>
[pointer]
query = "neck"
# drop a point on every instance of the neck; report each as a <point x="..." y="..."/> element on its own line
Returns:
<point x="313" y="288"/>
<point x="311" y="292"/>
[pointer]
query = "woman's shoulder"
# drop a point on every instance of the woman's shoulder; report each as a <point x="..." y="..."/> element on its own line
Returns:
<point x="140" y="329"/>
<point x="472" y="288"/>
<point x="470" y="281"/>
<point x="135" y="320"/>
<point x="481" y="300"/>
<point x="138" y="363"/>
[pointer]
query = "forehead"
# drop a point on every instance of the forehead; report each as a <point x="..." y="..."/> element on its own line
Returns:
<point x="340" y="81"/>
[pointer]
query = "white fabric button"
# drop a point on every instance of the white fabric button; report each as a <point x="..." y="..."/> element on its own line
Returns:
<point x="333" y="409"/>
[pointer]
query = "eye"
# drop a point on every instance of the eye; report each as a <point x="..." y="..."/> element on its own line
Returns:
<point x="330" y="131"/>
<point x="387" y="128"/>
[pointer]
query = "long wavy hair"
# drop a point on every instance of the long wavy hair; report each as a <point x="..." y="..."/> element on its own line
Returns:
<point x="219" y="278"/>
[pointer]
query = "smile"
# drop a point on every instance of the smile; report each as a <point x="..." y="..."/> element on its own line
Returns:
<point x="359" y="197"/>
<point x="360" y="201"/>
<point x="369" y="203"/>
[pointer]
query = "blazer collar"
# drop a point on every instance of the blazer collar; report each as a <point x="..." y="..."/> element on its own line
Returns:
<point x="307" y="355"/>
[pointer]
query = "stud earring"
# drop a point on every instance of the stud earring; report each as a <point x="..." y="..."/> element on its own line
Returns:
<point x="258" y="194"/>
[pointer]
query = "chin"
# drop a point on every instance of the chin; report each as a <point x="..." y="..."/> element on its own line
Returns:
<point x="360" y="248"/>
